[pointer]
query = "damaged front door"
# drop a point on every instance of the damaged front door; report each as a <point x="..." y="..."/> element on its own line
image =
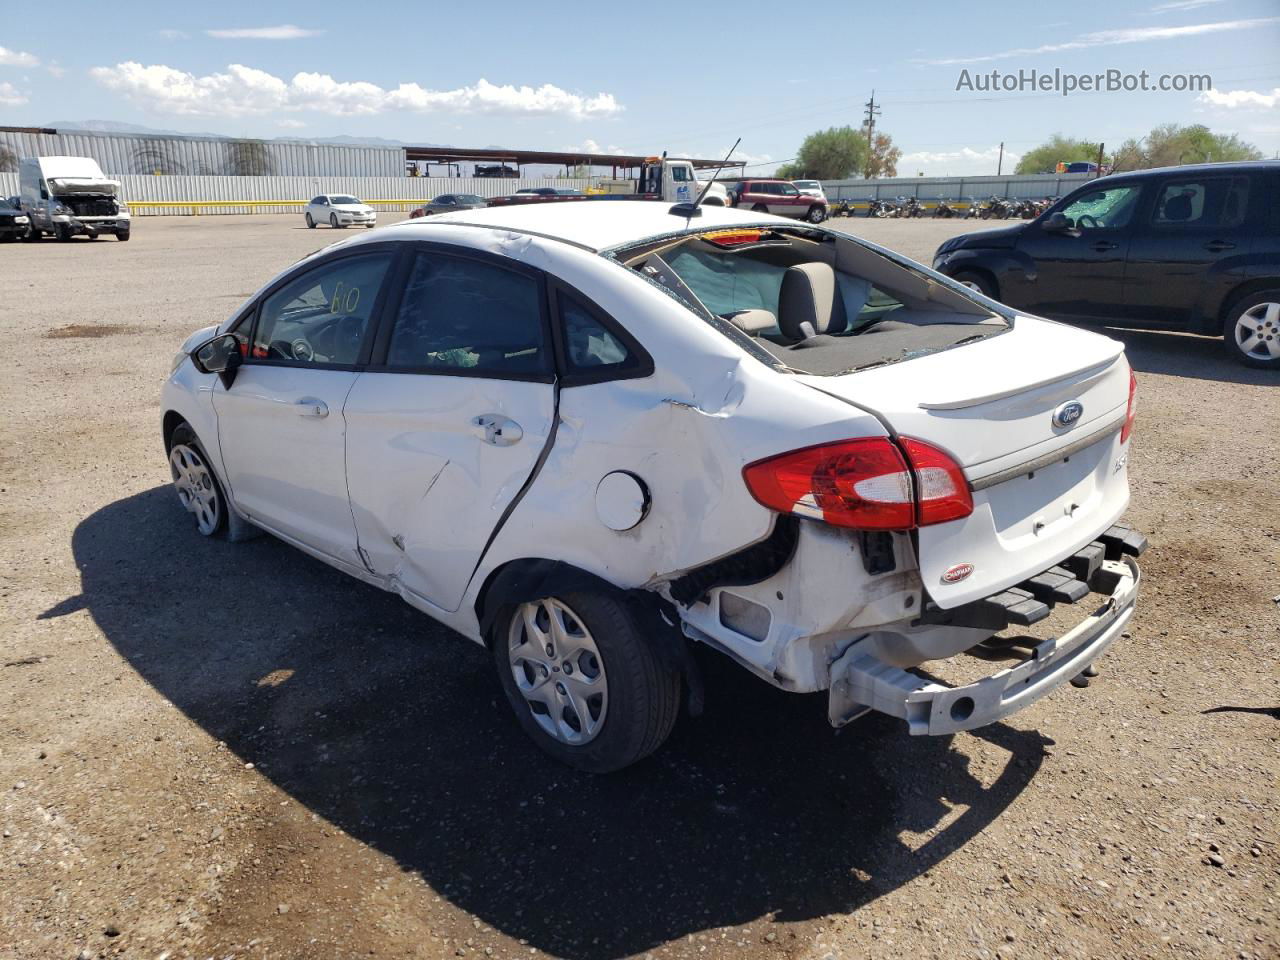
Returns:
<point x="450" y="421"/>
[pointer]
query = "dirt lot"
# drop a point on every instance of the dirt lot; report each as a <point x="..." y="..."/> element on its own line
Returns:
<point x="215" y="750"/>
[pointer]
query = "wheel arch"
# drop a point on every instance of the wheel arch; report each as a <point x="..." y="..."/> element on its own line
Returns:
<point x="172" y="420"/>
<point x="531" y="578"/>
<point x="1237" y="293"/>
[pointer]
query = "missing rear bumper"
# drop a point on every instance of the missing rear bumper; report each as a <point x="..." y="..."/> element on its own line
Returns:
<point x="861" y="682"/>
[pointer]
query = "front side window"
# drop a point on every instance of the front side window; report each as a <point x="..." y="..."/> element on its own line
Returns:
<point x="1103" y="209"/>
<point x="788" y="190"/>
<point x="321" y="317"/>
<point x="466" y="316"/>
<point x="680" y="174"/>
<point x="320" y="200"/>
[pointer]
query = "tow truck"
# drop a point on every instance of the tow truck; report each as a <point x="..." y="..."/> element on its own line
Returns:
<point x="661" y="178"/>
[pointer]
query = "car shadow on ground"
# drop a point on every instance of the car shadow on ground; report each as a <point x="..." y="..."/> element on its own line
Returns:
<point x="394" y="729"/>
<point x="1179" y="354"/>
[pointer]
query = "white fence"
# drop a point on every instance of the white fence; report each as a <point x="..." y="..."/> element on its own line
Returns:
<point x="955" y="188"/>
<point x="153" y="195"/>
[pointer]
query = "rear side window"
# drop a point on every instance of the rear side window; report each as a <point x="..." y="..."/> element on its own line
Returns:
<point x="1208" y="203"/>
<point x="321" y="317"/>
<point x="466" y="316"/>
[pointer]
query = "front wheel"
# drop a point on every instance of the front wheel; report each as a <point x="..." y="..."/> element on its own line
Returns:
<point x="333" y="221"/>
<point x="63" y="232"/>
<point x="584" y="681"/>
<point x="122" y="236"/>
<point x="311" y="223"/>
<point x="1252" y="330"/>
<point x="816" y="214"/>
<point x="194" y="482"/>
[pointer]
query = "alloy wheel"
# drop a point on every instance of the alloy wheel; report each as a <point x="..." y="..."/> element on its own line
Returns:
<point x="193" y="481"/>
<point x="1258" y="332"/>
<point x="558" y="670"/>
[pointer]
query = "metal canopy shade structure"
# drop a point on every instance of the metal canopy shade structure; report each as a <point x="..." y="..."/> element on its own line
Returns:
<point x="448" y="155"/>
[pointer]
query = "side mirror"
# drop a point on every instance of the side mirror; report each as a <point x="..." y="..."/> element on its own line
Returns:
<point x="1057" y="223"/>
<point x="221" y="355"/>
<point x="44" y="194"/>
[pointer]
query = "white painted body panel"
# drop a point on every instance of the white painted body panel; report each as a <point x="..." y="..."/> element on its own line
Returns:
<point x="285" y="468"/>
<point x="426" y="489"/>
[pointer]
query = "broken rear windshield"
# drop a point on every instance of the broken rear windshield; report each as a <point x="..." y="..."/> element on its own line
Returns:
<point x="813" y="301"/>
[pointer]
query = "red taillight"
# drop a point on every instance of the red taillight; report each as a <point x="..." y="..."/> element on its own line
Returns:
<point x="863" y="484"/>
<point x="1133" y="408"/>
<point x="942" y="490"/>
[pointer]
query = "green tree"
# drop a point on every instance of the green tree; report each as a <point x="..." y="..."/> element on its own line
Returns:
<point x="831" y="154"/>
<point x="1170" y="145"/>
<point x="1045" y="158"/>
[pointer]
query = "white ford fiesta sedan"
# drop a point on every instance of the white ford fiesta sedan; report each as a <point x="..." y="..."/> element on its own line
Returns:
<point x="590" y="435"/>
<point x="339" y="210"/>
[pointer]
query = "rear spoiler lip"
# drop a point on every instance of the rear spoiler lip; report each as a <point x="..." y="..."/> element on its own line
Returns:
<point x="1087" y="372"/>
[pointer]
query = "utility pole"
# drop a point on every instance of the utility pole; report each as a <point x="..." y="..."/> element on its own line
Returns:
<point x="872" y="112"/>
<point x="1000" y="162"/>
<point x="1097" y="173"/>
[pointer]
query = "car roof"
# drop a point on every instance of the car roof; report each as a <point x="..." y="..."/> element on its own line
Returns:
<point x="1238" y="166"/>
<point x="595" y="224"/>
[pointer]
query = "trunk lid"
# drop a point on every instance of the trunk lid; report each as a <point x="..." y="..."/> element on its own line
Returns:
<point x="1045" y="483"/>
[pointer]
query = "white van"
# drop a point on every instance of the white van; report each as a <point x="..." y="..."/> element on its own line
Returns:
<point x="66" y="196"/>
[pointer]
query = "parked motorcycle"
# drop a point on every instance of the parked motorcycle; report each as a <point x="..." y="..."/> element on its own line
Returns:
<point x="996" y="208"/>
<point x="911" y="207"/>
<point x="882" y="208"/>
<point x="944" y="209"/>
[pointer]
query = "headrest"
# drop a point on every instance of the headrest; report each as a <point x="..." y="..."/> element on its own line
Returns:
<point x="809" y="302"/>
<point x="1178" y="208"/>
<point x="752" y="322"/>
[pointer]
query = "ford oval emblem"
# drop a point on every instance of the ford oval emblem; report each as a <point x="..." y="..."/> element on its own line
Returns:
<point x="957" y="573"/>
<point x="1068" y="414"/>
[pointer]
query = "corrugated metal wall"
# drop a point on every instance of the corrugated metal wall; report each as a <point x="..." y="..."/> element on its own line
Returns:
<point x="414" y="191"/>
<point x="119" y="154"/>
<point x="955" y="188"/>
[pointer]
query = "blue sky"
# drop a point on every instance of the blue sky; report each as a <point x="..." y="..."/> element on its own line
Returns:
<point x="687" y="78"/>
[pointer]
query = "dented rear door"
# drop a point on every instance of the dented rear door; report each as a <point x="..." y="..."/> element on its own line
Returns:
<point x="451" y="421"/>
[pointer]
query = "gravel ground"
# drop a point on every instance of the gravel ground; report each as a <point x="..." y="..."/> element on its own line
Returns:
<point x="214" y="750"/>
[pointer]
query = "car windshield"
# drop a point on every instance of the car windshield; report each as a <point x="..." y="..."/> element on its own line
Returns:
<point x="341" y="199"/>
<point x="806" y="184"/>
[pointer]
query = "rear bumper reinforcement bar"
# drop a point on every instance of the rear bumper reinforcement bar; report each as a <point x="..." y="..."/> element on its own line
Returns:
<point x="860" y="681"/>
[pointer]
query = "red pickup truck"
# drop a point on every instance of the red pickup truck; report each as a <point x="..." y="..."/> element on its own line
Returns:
<point x="776" y="196"/>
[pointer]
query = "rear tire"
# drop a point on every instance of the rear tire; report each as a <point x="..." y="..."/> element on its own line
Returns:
<point x="601" y="667"/>
<point x="195" y="483"/>
<point x="759" y="208"/>
<point x="979" y="282"/>
<point x="1252" y="330"/>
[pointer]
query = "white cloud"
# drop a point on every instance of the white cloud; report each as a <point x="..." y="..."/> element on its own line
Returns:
<point x="242" y="91"/>
<point x="963" y="162"/>
<point x="54" y="69"/>
<point x="1109" y="38"/>
<point x="168" y="33"/>
<point x="18" y="58"/>
<point x="1181" y="5"/>
<point x="286" y="31"/>
<point x="11" y="96"/>
<point x="1231" y="99"/>
<point x="290" y="124"/>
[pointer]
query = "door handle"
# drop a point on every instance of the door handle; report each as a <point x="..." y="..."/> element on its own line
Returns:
<point x="1103" y="245"/>
<point x="1217" y="246"/>
<point x="311" y="407"/>
<point x="498" y="430"/>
